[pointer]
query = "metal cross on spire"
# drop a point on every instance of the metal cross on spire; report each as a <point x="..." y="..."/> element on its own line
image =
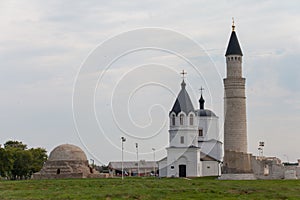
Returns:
<point x="201" y="90"/>
<point x="183" y="73"/>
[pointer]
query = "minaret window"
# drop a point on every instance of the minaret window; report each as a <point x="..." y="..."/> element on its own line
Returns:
<point x="173" y="120"/>
<point x="181" y="119"/>
<point x="191" y="120"/>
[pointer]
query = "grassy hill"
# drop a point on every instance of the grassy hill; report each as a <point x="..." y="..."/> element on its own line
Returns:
<point x="149" y="188"/>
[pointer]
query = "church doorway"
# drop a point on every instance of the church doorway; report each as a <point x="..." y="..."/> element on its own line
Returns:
<point x="182" y="170"/>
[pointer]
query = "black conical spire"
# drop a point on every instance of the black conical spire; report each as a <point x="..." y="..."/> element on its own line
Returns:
<point x="233" y="45"/>
<point x="201" y="101"/>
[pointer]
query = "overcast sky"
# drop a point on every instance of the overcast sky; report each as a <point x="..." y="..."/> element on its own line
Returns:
<point x="46" y="45"/>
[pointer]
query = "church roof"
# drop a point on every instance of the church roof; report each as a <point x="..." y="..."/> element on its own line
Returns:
<point x="205" y="113"/>
<point x="206" y="157"/>
<point x="183" y="102"/>
<point x="233" y="46"/>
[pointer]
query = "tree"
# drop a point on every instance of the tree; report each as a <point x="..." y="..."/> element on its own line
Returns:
<point x="18" y="162"/>
<point x="15" y="144"/>
<point x="6" y="162"/>
<point x="21" y="167"/>
<point x="39" y="157"/>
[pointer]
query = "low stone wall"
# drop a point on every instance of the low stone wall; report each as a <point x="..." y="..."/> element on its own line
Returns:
<point x="101" y="175"/>
<point x="272" y="168"/>
<point x="239" y="165"/>
<point x="57" y="176"/>
<point x="237" y="177"/>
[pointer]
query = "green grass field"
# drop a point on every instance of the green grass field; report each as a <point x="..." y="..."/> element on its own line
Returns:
<point x="149" y="188"/>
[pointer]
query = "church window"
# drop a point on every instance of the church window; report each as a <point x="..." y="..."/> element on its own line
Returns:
<point x="173" y="120"/>
<point x="191" y="120"/>
<point x="172" y="167"/>
<point x="182" y="140"/>
<point x="181" y="119"/>
<point x="200" y="133"/>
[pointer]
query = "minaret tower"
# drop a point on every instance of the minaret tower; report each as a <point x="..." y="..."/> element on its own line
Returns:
<point x="235" y="122"/>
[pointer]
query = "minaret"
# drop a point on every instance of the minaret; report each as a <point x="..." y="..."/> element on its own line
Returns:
<point x="235" y="122"/>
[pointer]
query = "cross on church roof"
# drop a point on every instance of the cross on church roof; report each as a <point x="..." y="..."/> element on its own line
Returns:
<point x="201" y="89"/>
<point x="183" y="73"/>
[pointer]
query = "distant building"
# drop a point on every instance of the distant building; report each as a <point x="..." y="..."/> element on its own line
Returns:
<point x="194" y="148"/>
<point x="67" y="161"/>
<point x="133" y="168"/>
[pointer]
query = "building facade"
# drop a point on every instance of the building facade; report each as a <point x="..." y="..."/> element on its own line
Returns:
<point x="133" y="168"/>
<point x="194" y="147"/>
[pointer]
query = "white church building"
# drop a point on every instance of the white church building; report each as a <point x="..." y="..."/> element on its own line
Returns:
<point x="194" y="148"/>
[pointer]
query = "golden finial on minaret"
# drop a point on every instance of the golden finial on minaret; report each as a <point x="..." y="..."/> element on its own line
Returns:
<point x="233" y="26"/>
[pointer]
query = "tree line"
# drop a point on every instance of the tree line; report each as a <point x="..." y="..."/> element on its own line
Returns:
<point x="17" y="162"/>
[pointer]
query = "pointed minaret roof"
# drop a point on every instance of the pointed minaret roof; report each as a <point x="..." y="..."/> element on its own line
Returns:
<point x="233" y="46"/>
<point x="183" y="102"/>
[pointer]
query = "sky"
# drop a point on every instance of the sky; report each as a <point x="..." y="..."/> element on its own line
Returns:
<point x="90" y="72"/>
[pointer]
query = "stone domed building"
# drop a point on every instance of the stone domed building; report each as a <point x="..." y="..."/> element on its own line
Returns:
<point x="66" y="161"/>
<point x="67" y="152"/>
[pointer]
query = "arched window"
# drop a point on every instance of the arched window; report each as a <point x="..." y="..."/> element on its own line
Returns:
<point x="173" y="120"/>
<point x="181" y="119"/>
<point x="191" y="120"/>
